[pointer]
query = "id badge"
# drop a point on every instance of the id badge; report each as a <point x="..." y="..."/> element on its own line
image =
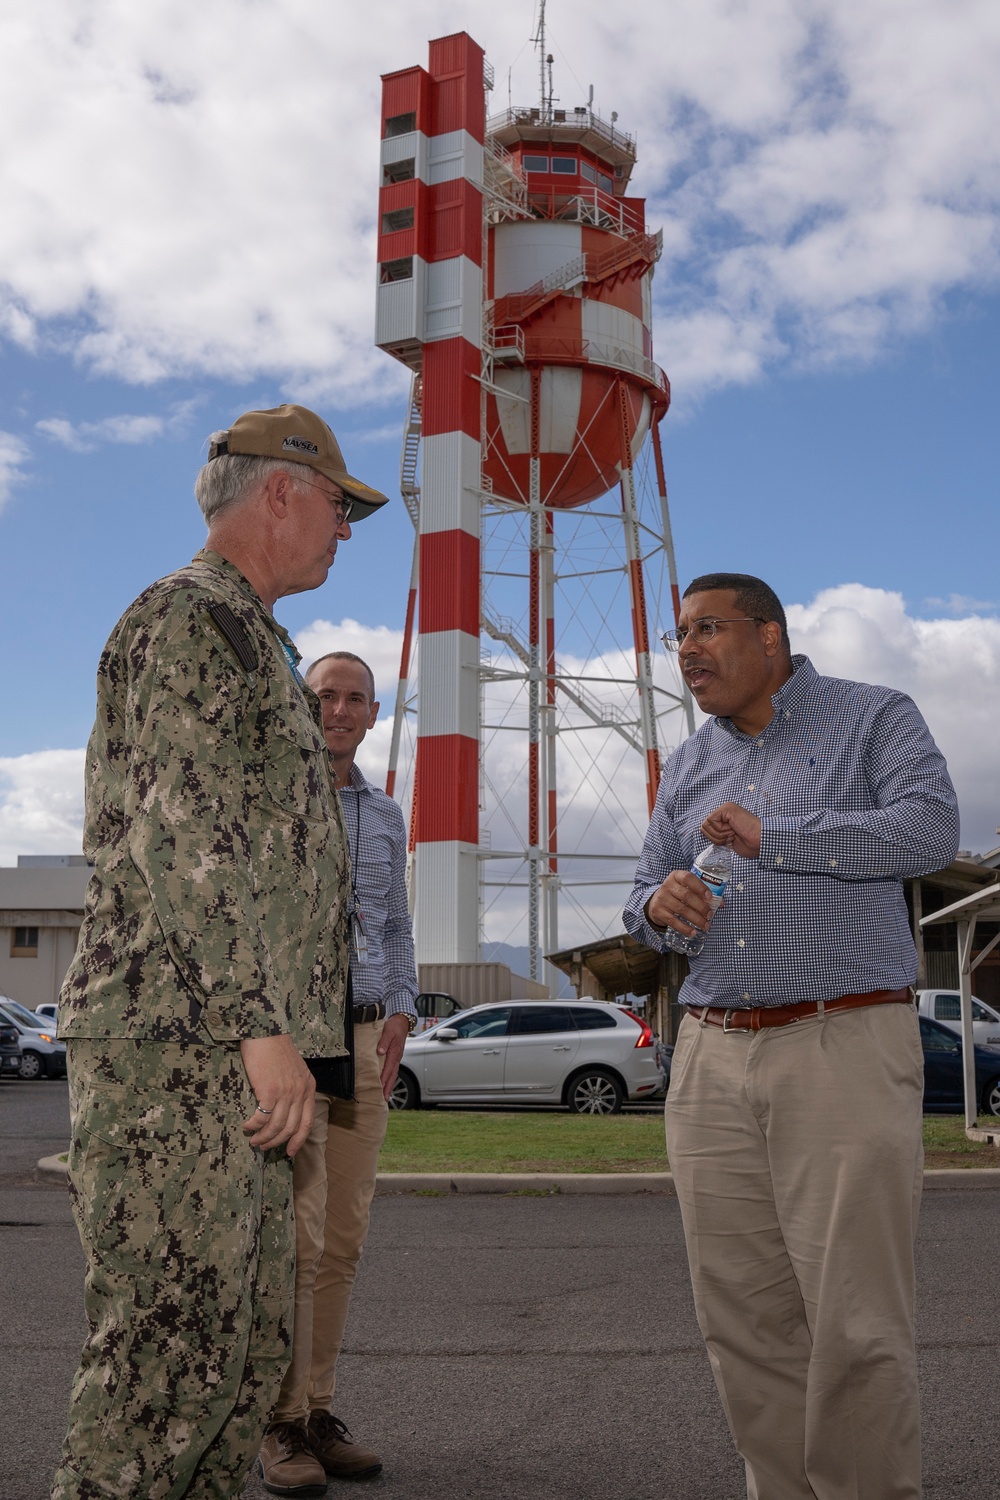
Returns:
<point x="359" y="936"/>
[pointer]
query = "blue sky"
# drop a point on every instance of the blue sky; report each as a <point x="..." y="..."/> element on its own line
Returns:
<point x="828" y="309"/>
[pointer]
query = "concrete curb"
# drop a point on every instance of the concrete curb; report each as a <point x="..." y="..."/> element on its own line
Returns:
<point x="51" y="1169"/>
<point x="940" y="1179"/>
<point x="525" y="1182"/>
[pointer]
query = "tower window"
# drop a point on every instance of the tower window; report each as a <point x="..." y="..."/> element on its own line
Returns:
<point x="396" y="270"/>
<point x="535" y="163"/>
<point x="588" y="172"/>
<point x="565" y="164"/>
<point x="399" y="218"/>
<point x="604" y="183"/>
<point x="399" y="171"/>
<point x="401" y="124"/>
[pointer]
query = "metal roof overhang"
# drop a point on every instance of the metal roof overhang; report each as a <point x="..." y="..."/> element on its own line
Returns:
<point x="619" y="963"/>
<point x="981" y="906"/>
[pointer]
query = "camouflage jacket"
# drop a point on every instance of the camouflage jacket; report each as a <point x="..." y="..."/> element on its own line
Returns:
<point x="218" y="902"/>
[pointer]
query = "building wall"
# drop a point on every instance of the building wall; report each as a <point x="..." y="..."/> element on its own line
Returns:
<point x="48" y="896"/>
<point x="37" y="981"/>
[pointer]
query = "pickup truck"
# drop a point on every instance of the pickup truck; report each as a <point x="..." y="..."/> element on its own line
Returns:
<point x="944" y="1006"/>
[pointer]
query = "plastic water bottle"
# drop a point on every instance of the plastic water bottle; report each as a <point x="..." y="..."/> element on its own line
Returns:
<point x="714" y="866"/>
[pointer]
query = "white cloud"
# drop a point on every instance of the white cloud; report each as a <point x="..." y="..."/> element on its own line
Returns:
<point x="378" y="645"/>
<point x="963" y="604"/>
<point x="41" y="803"/>
<point x="950" y="667"/>
<point x="13" y="453"/>
<point x="825" y="174"/>
<point x="84" y="437"/>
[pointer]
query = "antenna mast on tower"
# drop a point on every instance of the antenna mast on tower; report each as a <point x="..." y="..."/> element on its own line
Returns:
<point x="545" y="61"/>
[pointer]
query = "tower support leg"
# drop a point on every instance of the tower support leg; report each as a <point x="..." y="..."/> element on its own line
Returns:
<point x="535" y="525"/>
<point x="548" y="728"/>
<point x="668" y="547"/>
<point x="404" y="672"/>
<point x="637" y="590"/>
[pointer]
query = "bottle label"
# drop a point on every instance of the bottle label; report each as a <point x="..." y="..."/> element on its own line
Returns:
<point x="717" y="884"/>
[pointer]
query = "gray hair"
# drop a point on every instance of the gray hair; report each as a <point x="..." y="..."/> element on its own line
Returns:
<point x="224" y="481"/>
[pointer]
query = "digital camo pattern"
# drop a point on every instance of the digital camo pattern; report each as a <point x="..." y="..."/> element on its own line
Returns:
<point x="190" y="1273"/>
<point x="218" y="901"/>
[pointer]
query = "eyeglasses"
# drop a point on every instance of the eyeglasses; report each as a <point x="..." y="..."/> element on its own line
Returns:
<point x="346" y="502"/>
<point x="705" y="630"/>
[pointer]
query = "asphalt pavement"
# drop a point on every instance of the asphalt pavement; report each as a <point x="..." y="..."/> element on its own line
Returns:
<point x="528" y="1347"/>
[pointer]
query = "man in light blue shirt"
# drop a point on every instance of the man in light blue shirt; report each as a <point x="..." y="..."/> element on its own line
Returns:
<point x="795" y="1106"/>
<point x="335" y="1170"/>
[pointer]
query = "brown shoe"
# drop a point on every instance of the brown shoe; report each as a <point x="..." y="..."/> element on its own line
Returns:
<point x="286" y="1463"/>
<point x="337" y="1451"/>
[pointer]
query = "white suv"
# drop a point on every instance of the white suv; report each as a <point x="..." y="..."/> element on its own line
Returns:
<point x="583" y="1054"/>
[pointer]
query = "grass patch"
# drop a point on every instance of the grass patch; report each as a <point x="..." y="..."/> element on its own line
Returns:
<point x="466" y="1141"/>
<point x="947" y="1145"/>
<point x="447" y="1141"/>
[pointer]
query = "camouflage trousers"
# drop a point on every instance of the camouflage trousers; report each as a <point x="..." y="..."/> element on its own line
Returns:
<point x="189" y="1240"/>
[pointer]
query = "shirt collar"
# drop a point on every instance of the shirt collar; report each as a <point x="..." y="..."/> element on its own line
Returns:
<point x="356" y="781"/>
<point x="238" y="579"/>
<point x="786" y="701"/>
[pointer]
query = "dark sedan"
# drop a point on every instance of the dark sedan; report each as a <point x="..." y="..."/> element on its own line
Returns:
<point x="10" y="1052"/>
<point x="944" y="1082"/>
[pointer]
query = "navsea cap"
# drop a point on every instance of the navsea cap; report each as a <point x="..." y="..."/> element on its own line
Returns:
<point x="300" y="436"/>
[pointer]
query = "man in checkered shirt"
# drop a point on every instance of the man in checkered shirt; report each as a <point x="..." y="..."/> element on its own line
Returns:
<point x="795" y="1107"/>
<point x="335" y="1170"/>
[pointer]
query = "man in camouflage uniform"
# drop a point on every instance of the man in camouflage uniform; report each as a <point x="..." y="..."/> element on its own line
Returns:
<point x="212" y="960"/>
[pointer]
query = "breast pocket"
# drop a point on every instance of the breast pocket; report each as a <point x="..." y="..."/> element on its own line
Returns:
<point x="296" y="779"/>
<point x="801" y="783"/>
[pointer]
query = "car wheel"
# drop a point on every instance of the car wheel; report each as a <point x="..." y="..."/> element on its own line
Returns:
<point x="405" y="1093"/>
<point x="595" y="1093"/>
<point x="31" y="1066"/>
<point x="991" y="1097"/>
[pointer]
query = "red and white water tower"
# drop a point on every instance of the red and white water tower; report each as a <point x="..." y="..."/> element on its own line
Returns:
<point x="515" y="279"/>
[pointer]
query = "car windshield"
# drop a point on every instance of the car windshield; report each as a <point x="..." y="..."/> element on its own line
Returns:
<point x="27" y="1017"/>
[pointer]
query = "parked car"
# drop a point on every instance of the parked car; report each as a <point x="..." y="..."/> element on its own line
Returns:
<point x="944" y="1078"/>
<point x="41" y="1055"/>
<point x="432" y="1008"/>
<point x="10" y="1052"/>
<point x="945" y="1006"/>
<point x="585" y="1055"/>
<point x="49" y="1013"/>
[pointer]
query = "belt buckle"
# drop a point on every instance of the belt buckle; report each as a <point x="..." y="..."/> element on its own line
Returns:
<point x="725" y="1021"/>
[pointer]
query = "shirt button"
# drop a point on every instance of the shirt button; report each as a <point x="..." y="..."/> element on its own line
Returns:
<point x="833" y="863"/>
<point x="787" y="714"/>
<point x="746" y="997"/>
<point x="741" y="943"/>
<point x="780" y="859"/>
<point x="751" y="788"/>
<point x="739" y="885"/>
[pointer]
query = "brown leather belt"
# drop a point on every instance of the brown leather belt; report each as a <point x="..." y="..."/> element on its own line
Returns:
<point x="757" y="1016"/>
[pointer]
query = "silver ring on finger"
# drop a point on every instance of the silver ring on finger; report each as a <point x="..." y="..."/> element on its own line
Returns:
<point x="260" y="1110"/>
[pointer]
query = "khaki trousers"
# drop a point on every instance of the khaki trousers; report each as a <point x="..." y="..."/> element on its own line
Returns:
<point x="797" y="1158"/>
<point x="334" y="1182"/>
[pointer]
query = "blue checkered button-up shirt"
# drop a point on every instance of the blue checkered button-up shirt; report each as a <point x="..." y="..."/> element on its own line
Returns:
<point x="377" y="834"/>
<point x="853" y="795"/>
